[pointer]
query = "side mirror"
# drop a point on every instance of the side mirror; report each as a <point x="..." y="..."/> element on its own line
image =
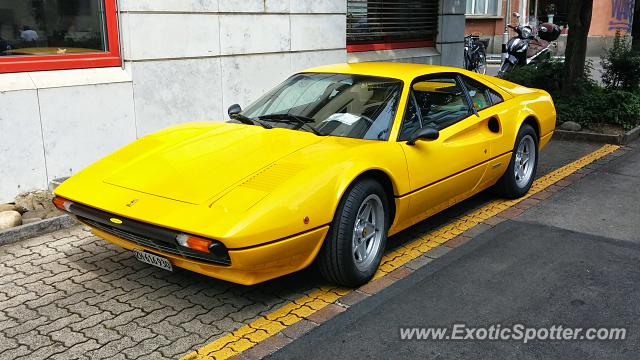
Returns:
<point x="426" y="133"/>
<point x="234" y="109"/>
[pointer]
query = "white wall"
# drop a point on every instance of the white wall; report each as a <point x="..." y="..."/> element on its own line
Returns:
<point x="54" y="123"/>
<point x="191" y="59"/>
<point x="185" y="60"/>
<point x="450" y="39"/>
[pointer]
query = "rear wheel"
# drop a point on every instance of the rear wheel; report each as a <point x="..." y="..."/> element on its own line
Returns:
<point x="521" y="171"/>
<point x="481" y="65"/>
<point x="357" y="238"/>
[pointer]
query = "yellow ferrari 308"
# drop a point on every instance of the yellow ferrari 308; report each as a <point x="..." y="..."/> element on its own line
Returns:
<point x="323" y="168"/>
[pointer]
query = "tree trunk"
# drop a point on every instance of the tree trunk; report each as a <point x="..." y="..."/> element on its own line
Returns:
<point x="635" y="27"/>
<point x="579" y="19"/>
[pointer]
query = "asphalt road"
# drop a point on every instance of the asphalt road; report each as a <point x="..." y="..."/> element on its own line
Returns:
<point x="571" y="261"/>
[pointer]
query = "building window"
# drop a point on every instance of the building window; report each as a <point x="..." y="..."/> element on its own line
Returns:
<point x="58" y="34"/>
<point x="390" y="24"/>
<point x="483" y="7"/>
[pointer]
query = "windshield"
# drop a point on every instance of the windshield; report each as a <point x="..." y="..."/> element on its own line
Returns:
<point x="355" y="106"/>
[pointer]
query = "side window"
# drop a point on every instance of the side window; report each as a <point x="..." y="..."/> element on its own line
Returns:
<point x="441" y="101"/>
<point x="481" y="96"/>
<point x="495" y="97"/>
<point x="411" y="121"/>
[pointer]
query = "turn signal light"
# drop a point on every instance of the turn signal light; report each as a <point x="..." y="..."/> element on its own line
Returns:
<point x="62" y="204"/>
<point x="194" y="243"/>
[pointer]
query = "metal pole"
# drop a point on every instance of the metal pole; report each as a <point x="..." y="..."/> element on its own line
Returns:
<point x="505" y="36"/>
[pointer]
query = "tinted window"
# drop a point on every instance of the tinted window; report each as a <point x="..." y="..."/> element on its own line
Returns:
<point x="441" y="101"/>
<point x="435" y="101"/>
<point x="495" y="97"/>
<point x="481" y="95"/>
<point x="411" y="122"/>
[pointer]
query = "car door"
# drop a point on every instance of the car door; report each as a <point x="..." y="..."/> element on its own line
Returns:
<point x="483" y="100"/>
<point x="448" y="169"/>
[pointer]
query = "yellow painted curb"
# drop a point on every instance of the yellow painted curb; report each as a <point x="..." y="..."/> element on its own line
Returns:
<point x="290" y="313"/>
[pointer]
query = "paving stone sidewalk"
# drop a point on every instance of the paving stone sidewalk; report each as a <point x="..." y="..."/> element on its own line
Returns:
<point x="71" y="295"/>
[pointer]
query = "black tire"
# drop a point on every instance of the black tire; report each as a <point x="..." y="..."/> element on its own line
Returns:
<point x="481" y="63"/>
<point x="509" y="185"/>
<point x="336" y="261"/>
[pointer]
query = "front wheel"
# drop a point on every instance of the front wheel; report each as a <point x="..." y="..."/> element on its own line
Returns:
<point x="481" y="62"/>
<point x="357" y="238"/>
<point x="521" y="171"/>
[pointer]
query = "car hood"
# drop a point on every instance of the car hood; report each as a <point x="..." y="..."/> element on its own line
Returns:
<point x="203" y="165"/>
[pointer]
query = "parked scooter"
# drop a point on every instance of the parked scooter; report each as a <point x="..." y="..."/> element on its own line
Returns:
<point x="525" y="49"/>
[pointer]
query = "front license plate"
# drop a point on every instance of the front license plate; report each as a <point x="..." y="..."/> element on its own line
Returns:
<point x="154" y="260"/>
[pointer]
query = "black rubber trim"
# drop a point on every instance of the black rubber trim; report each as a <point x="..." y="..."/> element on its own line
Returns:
<point x="127" y="225"/>
<point x="148" y="235"/>
<point x="281" y="239"/>
<point x="450" y="176"/>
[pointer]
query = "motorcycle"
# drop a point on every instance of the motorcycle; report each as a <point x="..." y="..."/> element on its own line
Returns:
<point x="4" y="46"/>
<point x="475" y="55"/>
<point x="525" y="49"/>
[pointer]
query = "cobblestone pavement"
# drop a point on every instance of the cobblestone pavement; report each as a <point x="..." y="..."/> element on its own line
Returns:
<point x="71" y="295"/>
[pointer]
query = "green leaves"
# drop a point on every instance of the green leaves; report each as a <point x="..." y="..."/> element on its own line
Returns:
<point x="615" y="103"/>
<point x="621" y="65"/>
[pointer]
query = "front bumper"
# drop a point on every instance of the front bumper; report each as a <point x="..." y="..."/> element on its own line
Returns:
<point x="142" y="233"/>
<point x="243" y="265"/>
<point x="248" y="266"/>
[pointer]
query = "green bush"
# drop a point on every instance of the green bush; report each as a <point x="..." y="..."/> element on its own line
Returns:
<point x="592" y="104"/>
<point x="546" y="76"/>
<point x="600" y="106"/>
<point x="621" y="66"/>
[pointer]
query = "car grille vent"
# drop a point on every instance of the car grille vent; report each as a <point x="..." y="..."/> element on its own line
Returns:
<point x="160" y="245"/>
<point x="154" y="244"/>
<point x="272" y="176"/>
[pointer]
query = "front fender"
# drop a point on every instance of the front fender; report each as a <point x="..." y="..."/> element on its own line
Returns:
<point x="535" y="105"/>
<point x="314" y="192"/>
<point x="539" y="107"/>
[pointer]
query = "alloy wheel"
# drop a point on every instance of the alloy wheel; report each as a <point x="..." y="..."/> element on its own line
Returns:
<point x="525" y="161"/>
<point x="368" y="232"/>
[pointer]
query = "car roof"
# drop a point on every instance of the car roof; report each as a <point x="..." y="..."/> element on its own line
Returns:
<point x="402" y="71"/>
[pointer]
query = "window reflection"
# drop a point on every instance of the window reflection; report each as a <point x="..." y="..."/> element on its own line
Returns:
<point x="355" y="106"/>
<point x="48" y="27"/>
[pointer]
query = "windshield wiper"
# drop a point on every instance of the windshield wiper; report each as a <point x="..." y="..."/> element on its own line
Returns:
<point x="249" y="121"/>
<point x="290" y="118"/>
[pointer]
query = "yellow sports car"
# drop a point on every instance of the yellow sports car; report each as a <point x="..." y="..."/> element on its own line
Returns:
<point x="322" y="168"/>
